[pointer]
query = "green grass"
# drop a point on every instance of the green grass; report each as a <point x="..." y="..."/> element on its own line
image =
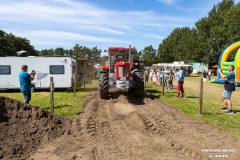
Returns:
<point x="65" y="104"/>
<point x="212" y="104"/>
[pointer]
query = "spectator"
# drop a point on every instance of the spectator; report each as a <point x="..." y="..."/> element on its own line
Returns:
<point x="146" y="75"/>
<point x="229" y="87"/>
<point x="154" y="78"/>
<point x="151" y="74"/>
<point x="25" y="83"/>
<point x="180" y="81"/>
<point x="209" y="74"/>
<point x="161" y="72"/>
<point x="204" y="76"/>
<point x="166" y="77"/>
<point x="170" y="80"/>
<point x="158" y="81"/>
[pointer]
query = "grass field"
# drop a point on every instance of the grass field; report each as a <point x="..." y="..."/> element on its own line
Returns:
<point x="212" y="103"/>
<point x="64" y="102"/>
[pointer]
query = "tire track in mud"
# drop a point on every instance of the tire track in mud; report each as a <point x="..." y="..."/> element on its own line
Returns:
<point x="98" y="130"/>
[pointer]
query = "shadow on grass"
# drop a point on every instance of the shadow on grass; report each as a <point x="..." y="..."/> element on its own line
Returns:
<point x="212" y="114"/>
<point x="10" y="91"/>
<point x="55" y="90"/>
<point x="86" y="89"/>
<point x="192" y="97"/>
<point x="58" y="106"/>
<point x="153" y="91"/>
<point x="236" y="111"/>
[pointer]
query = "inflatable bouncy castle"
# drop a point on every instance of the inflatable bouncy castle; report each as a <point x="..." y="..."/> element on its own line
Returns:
<point x="224" y="63"/>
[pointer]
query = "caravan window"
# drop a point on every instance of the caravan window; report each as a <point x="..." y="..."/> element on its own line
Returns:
<point x="57" y="69"/>
<point x="5" y="69"/>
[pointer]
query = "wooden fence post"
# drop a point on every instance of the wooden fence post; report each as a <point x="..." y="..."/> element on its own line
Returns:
<point x="163" y="83"/>
<point x="75" y="80"/>
<point x="144" y="77"/>
<point x="51" y="94"/>
<point x="84" y="80"/>
<point x="74" y="85"/>
<point x="201" y="96"/>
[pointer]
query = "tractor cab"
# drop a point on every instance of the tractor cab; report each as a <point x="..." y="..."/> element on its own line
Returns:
<point x="119" y="72"/>
<point x="118" y="55"/>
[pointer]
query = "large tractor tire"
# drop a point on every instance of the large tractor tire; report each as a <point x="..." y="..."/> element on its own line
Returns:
<point x="139" y="83"/>
<point x="103" y="85"/>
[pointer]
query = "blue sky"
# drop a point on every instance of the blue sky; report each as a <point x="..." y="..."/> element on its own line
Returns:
<point x="102" y="23"/>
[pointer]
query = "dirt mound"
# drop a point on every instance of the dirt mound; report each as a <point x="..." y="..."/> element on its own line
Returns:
<point x="25" y="127"/>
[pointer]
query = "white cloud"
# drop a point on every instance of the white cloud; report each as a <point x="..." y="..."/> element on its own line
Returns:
<point x="61" y="36"/>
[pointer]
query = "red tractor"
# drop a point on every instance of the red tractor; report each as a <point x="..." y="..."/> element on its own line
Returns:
<point x="121" y="72"/>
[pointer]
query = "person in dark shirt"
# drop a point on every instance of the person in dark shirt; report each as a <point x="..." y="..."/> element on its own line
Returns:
<point x="204" y="75"/>
<point x="229" y="87"/>
<point x="25" y="83"/>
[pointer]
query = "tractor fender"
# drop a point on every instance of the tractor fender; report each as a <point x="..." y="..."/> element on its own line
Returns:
<point x="104" y="69"/>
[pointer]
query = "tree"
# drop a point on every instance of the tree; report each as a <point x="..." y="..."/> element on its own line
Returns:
<point x="77" y="51"/>
<point x="59" y="51"/>
<point x="10" y="45"/>
<point x="149" y="55"/>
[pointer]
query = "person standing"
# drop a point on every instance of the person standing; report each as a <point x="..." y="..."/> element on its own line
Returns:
<point x="154" y="78"/>
<point x="151" y="74"/>
<point x="158" y="81"/>
<point x="25" y="83"/>
<point x="146" y="75"/>
<point x="170" y="80"/>
<point x="209" y="74"/>
<point x="229" y="87"/>
<point x="180" y="81"/>
<point x="205" y="76"/>
<point x="161" y="72"/>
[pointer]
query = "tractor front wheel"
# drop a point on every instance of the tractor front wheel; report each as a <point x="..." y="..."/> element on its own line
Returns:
<point x="103" y="85"/>
<point x="139" y="83"/>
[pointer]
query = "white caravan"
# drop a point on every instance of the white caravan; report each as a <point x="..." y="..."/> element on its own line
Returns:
<point x="60" y="68"/>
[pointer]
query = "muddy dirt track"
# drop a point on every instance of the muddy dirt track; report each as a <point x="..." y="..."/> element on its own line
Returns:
<point x="124" y="128"/>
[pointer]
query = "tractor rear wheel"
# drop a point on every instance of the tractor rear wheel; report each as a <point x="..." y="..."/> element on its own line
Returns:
<point x="139" y="83"/>
<point x="103" y="85"/>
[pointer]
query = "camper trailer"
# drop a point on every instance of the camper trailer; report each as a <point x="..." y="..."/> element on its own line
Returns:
<point x="62" y="70"/>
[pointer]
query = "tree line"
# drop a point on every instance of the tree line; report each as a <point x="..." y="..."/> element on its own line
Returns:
<point x="202" y="43"/>
<point x="77" y="51"/>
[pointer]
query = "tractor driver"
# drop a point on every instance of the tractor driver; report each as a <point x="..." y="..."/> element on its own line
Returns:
<point x="116" y="59"/>
<point x="135" y="65"/>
